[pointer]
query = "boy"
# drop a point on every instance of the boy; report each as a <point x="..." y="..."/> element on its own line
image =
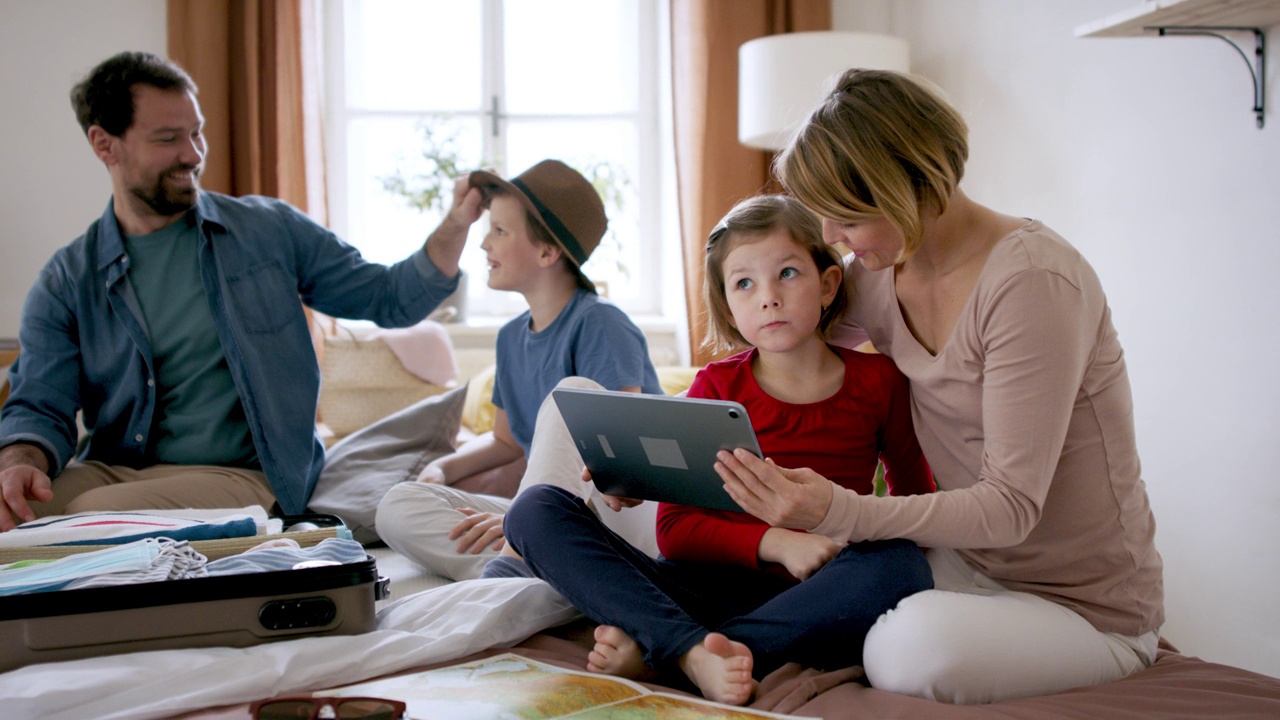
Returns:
<point x="543" y="225"/>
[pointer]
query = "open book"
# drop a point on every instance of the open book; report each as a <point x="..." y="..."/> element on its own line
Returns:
<point x="510" y="686"/>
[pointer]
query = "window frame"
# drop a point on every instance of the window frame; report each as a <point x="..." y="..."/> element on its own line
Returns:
<point x="655" y="213"/>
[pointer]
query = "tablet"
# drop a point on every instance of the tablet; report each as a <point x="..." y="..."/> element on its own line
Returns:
<point x="656" y="447"/>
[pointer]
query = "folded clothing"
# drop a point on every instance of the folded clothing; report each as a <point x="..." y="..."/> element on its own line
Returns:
<point x="113" y="528"/>
<point x="269" y="559"/>
<point x="148" y="560"/>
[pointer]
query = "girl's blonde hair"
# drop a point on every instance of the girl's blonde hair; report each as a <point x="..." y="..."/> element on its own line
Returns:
<point x="881" y="144"/>
<point x="754" y="218"/>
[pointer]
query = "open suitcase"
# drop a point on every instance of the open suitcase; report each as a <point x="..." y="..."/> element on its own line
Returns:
<point x="229" y="610"/>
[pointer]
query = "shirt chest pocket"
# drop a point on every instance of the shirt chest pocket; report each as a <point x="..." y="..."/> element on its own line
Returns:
<point x="265" y="297"/>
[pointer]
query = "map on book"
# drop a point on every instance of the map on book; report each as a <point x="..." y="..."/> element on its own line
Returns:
<point x="511" y="686"/>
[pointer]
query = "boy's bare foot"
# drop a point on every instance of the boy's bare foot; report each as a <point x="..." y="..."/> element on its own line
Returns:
<point x="721" y="668"/>
<point x="615" y="653"/>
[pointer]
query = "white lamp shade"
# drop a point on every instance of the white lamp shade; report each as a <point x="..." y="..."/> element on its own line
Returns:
<point x="781" y="78"/>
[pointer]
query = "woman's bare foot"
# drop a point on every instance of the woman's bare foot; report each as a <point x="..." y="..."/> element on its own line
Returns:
<point x="721" y="668"/>
<point x="615" y="653"/>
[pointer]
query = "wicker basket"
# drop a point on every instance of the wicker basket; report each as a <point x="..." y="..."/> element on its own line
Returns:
<point x="363" y="381"/>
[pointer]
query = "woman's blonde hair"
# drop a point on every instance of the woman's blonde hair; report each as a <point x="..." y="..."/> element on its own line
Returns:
<point x="754" y="218"/>
<point x="881" y="144"/>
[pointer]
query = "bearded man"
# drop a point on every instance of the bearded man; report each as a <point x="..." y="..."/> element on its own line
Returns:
<point x="174" y="324"/>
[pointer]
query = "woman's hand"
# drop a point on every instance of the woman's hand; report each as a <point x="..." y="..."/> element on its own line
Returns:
<point x="801" y="553"/>
<point x="779" y="496"/>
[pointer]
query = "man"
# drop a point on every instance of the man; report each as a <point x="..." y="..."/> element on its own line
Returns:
<point x="174" y="323"/>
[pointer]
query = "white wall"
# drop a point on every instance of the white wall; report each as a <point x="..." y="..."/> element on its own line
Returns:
<point x="1143" y="153"/>
<point x="51" y="186"/>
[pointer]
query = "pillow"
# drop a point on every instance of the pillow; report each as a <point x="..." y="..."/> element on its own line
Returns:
<point x="362" y="467"/>
<point x="479" y="412"/>
<point x="675" y="379"/>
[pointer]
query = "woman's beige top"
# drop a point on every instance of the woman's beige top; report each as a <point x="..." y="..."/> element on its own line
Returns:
<point x="1026" y="418"/>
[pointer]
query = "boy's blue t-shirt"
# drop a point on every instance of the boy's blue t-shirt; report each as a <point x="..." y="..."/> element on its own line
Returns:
<point x="591" y="338"/>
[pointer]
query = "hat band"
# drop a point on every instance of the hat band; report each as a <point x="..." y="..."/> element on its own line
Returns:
<point x="566" y="238"/>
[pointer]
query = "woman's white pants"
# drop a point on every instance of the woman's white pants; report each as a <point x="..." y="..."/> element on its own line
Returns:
<point x="970" y="640"/>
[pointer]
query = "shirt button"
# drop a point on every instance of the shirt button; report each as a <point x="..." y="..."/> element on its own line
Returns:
<point x="138" y="438"/>
<point x="151" y="383"/>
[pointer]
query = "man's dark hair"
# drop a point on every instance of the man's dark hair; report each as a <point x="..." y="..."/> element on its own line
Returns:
<point x="105" y="97"/>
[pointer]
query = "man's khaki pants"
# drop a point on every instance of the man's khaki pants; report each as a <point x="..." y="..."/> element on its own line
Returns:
<point x="95" y="487"/>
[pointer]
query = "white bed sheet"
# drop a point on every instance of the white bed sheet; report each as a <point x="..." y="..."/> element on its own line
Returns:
<point x="435" y="625"/>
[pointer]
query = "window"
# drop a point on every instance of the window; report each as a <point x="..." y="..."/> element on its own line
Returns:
<point x="501" y="83"/>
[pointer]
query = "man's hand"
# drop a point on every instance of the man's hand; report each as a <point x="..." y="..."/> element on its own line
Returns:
<point x="477" y="531"/>
<point x="800" y="553"/>
<point x="22" y="478"/>
<point x="445" y="244"/>
<point x="468" y="203"/>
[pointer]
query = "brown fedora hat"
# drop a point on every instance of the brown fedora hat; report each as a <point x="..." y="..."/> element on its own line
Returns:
<point x="564" y="201"/>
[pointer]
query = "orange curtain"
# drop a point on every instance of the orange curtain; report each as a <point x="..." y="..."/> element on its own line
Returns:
<point x="713" y="170"/>
<point x="257" y="65"/>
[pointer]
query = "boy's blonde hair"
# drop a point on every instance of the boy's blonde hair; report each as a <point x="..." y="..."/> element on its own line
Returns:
<point x="752" y="219"/>
<point x="881" y="144"/>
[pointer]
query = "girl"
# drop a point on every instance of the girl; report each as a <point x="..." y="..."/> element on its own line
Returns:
<point x="732" y="598"/>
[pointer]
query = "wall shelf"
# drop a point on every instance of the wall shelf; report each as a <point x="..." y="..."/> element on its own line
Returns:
<point x="1144" y="19"/>
<point x="1206" y="18"/>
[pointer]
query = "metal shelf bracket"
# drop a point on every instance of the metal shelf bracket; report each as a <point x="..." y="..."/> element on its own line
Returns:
<point x="1257" y="67"/>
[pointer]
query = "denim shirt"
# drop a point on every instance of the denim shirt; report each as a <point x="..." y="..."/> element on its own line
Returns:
<point x="85" y="345"/>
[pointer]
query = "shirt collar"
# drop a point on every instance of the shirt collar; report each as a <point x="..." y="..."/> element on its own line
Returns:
<point x="111" y="240"/>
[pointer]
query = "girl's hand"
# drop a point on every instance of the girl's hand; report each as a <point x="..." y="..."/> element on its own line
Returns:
<point x="613" y="502"/>
<point x="779" y="496"/>
<point x="802" y="554"/>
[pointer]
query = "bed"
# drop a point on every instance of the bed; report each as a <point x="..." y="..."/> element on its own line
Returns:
<point x="431" y="623"/>
<point x="449" y="623"/>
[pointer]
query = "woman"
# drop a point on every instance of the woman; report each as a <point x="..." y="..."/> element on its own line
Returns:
<point x="1041" y="535"/>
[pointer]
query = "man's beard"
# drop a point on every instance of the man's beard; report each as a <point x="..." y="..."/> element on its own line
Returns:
<point x="170" y="201"/>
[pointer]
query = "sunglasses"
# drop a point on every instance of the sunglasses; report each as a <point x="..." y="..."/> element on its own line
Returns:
<point x="338" y="708"/>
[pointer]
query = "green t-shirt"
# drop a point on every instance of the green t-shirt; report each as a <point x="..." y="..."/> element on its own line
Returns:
<point x="199" y="419"/>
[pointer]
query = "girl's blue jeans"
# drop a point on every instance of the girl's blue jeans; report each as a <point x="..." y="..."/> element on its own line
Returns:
<point x="668" y="607"/>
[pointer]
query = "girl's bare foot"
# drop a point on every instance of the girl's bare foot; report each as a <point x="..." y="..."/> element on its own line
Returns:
<point x="615" y="653"/>
<point x="721" y="668"/>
